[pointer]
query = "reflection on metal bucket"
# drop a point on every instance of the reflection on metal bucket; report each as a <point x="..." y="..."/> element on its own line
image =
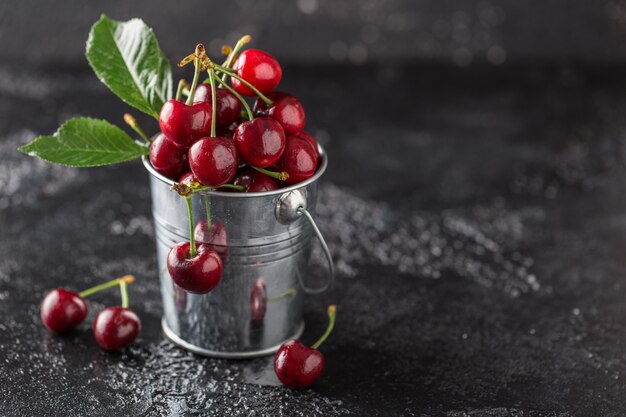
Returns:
<point x="264" y="240"/>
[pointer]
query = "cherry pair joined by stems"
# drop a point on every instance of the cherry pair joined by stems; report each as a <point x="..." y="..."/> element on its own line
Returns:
<point x="63" y="310"/>
<point x="299" y="366"/>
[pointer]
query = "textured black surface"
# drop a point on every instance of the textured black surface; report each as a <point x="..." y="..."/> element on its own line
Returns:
<point x="478" y="223"/>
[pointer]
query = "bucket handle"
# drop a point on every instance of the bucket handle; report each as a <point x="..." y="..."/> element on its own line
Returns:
<point x="290" y="207"/>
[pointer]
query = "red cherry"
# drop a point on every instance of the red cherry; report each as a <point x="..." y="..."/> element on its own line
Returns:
<point x="297" y="365"/>
<point x="260" y="142"/>
<point x="254" y="181"/>
<point x="258" y="68"/>
<point x="228" y="106"/>
<point x="184" y="124"/>
<point x="307" y="136"/>
<point x="62" y="310"/>
<point x="215" y="237"/>
<point x="187" y="178"/>
<point x="299" y="160"/>
<point x="199" y="274"/>
<point x="167" y="158"/>
<point x="258" y="300"/>
<point x="286" y="110"/>
<point x="116" y="327"/>
<point x="213" y="161"/>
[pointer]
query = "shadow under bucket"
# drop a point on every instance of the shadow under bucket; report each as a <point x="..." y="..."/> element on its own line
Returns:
<point x="264" y="240"/>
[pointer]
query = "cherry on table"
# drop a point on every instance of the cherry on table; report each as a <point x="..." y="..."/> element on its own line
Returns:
<point x="213" y="161"/>
<point x="260" y="142"/>
<point x="62" y="310"/>
<point x="213" y="235"/>
<point x="297" y="365"/>
<point x="228" y="106"/>
<point x="299" y="160"/>
<point x="259" y="68"/>
<point x="285" y="109"/>
<point x="198" y="274"/>
<point x="167" y="158"/>
<point x="116" y="327"/>
<point x="184" y="124"/>
<point x="254" y="181"/>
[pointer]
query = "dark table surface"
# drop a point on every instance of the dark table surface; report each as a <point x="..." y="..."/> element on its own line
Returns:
<point x="478" y="222"/>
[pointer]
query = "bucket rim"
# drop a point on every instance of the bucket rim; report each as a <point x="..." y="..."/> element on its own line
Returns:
<point x="279" y="191"/>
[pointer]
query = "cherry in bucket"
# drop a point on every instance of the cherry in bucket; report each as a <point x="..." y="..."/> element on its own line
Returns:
<point x="194" y="267"/>
<point x="299" y="366"/>
<point x="258" y="68"/>
<point x="285" y="109"/>
<point x="117" y="327"/>
<point x="63" y="310"/>
<point x="299" y="160"/>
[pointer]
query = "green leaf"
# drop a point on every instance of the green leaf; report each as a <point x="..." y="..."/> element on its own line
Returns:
<point x="126" y="57"/>
<point x="86" y="142"/>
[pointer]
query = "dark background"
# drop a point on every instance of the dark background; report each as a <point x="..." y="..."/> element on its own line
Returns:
<point x="457" y="32"/>
<point x="474" y="205"/>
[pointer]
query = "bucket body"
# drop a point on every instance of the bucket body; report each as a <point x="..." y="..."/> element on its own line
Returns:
<point x="258" y="303"/>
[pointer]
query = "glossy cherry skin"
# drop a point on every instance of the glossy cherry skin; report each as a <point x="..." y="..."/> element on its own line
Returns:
<point x="254" y="181"/>
<point x="199" y="274"/>
<point x="187" y="178"/>
<point x="213" y="161"/>
<point x="215" y="236"/>
<point x="307" y="136"/>
<point x="285" y="109"/>
<point x="260" y="142"/>
<point x="299" y="160"/>
<point x="184" y="124"/>
<point x="258" y="300"/>
<point x="116" y="327"/>
<point x="167" y="158"/>
<point x="62" y="310"/>
<point x="258" y="68"/>
<point x="297" y="365"/>
<point x="228" y="106"/>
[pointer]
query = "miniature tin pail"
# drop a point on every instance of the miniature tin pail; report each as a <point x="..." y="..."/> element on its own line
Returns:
<point x="264" y="240"/>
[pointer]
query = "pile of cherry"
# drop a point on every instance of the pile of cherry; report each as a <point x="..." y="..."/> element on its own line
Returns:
<point x="209" y="140"/>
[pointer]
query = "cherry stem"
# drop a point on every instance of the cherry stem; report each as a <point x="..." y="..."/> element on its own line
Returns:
<point x="253" y="88"/>
<point x="182" y="84"/>
<point x="233" y="53"/>
<point x="207" y="209"/>
<point x="280" y="176"/>
<point x="124" y="293"/>
<point x="332" y="310"/>
<point x="291" y="292"/>
<point x="197" y="62"/>
<point x="213" y="101"/>
<point x="132" y="122"/>
<point x="192" y="240"/>
<point x="89" y="291"/>
<point x="239" y="97"/>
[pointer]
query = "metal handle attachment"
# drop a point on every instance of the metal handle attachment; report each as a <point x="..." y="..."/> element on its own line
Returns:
<point x="290" y="207"/>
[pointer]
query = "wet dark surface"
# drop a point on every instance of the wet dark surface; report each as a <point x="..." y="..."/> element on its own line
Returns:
<point x="477" y="218"/>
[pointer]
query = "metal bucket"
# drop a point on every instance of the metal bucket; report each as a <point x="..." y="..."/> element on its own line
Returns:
<point x="264" y="245"/>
